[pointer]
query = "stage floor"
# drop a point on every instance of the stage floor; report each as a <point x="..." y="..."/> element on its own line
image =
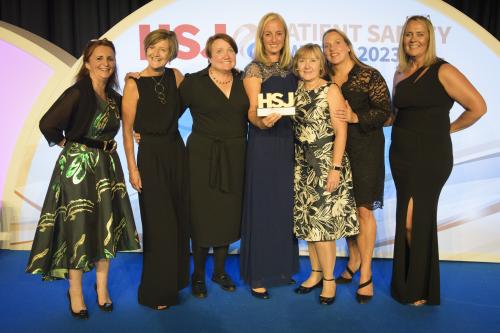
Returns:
<point x="470" y="294"/>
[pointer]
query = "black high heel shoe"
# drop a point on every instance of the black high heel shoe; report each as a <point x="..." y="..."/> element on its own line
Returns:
<point x="342" y="280"/>
<point x="224" y="281"/>
<point x="363" y="299"/>
<point x="306" y="290"/>
<point x="327" y="300"/>
<point x="106" y="307"/>
<point x="82" y="314"/>
<point x="198" y="287"/>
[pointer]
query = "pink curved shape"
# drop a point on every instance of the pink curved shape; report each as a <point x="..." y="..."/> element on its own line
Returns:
<point x="18" y="92"/>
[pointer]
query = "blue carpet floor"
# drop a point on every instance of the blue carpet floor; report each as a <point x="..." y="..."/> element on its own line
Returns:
<point x="470" y="303"/>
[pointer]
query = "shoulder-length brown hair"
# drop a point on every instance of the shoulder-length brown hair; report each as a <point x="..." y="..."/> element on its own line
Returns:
<point x="352" y="53"/>
<point x="87" y="53"/>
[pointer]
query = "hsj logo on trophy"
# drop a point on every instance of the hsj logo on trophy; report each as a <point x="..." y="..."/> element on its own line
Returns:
<point x="274" y="103"/>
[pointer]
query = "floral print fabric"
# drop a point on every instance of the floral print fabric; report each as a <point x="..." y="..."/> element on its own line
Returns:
<point x="319" y="215"/>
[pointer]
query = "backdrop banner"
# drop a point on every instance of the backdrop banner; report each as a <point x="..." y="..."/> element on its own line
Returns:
<point x="34" y="73"/>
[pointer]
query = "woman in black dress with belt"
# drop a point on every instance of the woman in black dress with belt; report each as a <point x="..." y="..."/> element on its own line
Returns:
<point x="86" y="216"/>
<point x="421" y="156"/>
<point x="216" y="153"/>
<point x="366" y="110"/>
<point x="151" y="107"/>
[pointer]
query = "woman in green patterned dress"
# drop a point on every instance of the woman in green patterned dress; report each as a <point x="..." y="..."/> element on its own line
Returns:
<point x="86" y="216"/>
<point x="324" y="207"/>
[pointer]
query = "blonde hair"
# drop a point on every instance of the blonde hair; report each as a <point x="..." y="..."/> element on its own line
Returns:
<point x="430" y="54"/>
<point x="260" y="54"/>
<point x="158" y="35"/>
<point x="310" y="49"/>
<point x="352" y="54"/>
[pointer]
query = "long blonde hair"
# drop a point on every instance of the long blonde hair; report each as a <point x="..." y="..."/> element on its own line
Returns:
<point x="260" y="54"/>
<point x="430" y="54"/>
<point x="352" y="54"/>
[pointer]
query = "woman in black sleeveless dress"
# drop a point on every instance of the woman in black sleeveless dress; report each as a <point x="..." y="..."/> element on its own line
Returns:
<point x="151" y="105"/>
<point x="421" y="156"/>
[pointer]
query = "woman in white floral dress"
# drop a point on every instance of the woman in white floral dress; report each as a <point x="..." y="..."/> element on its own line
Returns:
<point x="324" y="206"/>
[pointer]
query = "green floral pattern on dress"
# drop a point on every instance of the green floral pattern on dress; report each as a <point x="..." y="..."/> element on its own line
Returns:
<point x="84" y="160"/>
<point x="87" y="185"/>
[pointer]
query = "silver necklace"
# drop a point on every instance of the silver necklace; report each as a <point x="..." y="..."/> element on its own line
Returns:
<point x="160" y="89"/>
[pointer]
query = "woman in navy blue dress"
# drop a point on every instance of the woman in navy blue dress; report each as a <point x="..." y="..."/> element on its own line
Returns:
<point x="269" y="252"/>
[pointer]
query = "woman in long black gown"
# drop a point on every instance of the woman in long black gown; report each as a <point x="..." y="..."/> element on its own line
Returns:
<point x="421" y="155"/>
<point x="216" y="153"/>
<point x="151" y="107"/>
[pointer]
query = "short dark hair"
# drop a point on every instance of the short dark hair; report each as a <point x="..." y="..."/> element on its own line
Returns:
<point x="224" y="37"/>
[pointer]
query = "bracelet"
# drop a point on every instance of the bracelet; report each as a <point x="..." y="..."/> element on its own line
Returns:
<point x="336" y="167"/>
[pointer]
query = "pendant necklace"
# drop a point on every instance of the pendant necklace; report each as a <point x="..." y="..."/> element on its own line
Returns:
<point x="160" y="89"/>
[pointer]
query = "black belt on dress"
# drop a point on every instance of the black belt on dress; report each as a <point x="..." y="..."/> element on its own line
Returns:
<point x="310" y="148"/>
<point x="219" y="161"/>
<point x="108" y="146"/>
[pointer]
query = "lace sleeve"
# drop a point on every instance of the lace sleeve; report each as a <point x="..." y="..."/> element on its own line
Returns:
<point x="252" y="70"/>
<point x="380" y="104"/>
<point x="57" y="119"/>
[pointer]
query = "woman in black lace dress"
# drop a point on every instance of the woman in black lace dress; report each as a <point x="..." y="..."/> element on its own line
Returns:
<point x="421" y="155"/>
<point x="366" y="110"/>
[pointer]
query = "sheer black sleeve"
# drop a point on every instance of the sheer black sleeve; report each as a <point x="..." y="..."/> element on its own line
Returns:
<point x="380" y="104"/>
<point x="57" y="120"/>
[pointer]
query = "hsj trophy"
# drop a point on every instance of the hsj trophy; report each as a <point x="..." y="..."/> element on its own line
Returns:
<point x="273" y="103"/>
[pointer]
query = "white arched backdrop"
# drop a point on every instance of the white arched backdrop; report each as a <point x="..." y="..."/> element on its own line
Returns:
<point x="469" y="208"/>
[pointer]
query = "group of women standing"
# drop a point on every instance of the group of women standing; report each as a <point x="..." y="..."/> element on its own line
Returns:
<point x="316" y="176"/>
